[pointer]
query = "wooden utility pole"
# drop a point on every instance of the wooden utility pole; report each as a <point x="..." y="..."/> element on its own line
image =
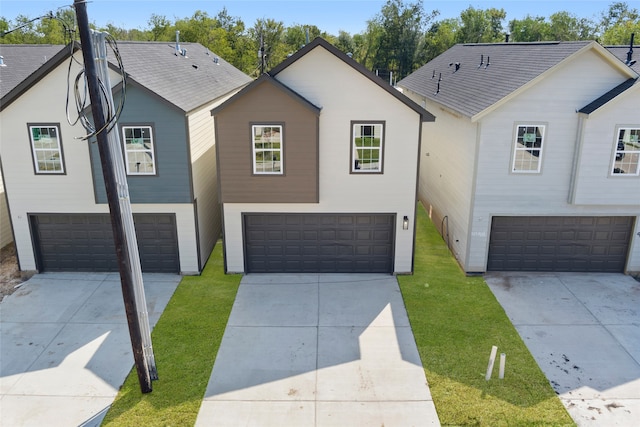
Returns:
<point x="97" y="110"/>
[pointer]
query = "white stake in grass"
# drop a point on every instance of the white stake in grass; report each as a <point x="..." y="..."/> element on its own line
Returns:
<point x="503" y="358"/>
<point x="492" y="359"/>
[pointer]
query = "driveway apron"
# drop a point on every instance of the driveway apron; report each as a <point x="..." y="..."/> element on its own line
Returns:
<point x="583" y="329"/>
<point x="318" y="350"/>
<point x="65" y="348"/>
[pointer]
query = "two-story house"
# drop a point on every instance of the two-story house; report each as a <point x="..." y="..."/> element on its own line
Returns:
<point x="318" y="166"/>
<point x="53" y="178"/>
<point x="534" y="161"/>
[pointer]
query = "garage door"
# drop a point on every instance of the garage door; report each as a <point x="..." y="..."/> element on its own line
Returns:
<point x="595" y="244"/>
<point x="84" y="242"/>
<point x="319" y="243"/>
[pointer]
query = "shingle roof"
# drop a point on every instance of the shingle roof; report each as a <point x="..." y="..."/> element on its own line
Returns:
<point x="505" y="68"/>
<point x="22" y="60"/>
<point x="187" y="82"/>
<point x="425" y="115"/>
<point x="621" y="53"/>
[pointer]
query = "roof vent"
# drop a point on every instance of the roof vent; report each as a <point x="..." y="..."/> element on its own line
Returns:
<point x="439" y="80"/>
<point x="216" y="60"/>
<point x="2" y="64"/>
<point x="488" y="62"/>
<point x="457" y="64"/>
<point x="177" y="42"/>
<point x="481" y="60"/>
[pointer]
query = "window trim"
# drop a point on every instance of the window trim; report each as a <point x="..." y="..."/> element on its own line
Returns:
<point x="383" y="143"/>
<point x="515" y="149"/>
<point x="252" y="126"/>
<point x="125" y="153"/>
<point x="616" y="138"/>
<point x="33" y="150"/>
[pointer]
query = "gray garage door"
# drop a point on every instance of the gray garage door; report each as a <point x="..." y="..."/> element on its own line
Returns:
<point x="84" y="242"/>
<point x="336" y="243"/>
<point x="595" y="244"/>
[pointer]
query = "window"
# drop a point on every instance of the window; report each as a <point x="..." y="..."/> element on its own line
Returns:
<point x="528" y="149"/>
<point x="627" y="152"/>
<point x="367" y="142"/>
<point x="46" y="149"/>
<point x="267" y="149"/>
<point x="139" y="156"/>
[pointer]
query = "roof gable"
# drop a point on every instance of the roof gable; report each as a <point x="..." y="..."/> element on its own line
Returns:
<point x="473" y="79"/>
<point x="604" y="99"/>
<point x="320" y="42"/>
<point x="266" y="79"/>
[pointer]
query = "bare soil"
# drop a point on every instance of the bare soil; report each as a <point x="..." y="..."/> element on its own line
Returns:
<point x="10" y="276"/>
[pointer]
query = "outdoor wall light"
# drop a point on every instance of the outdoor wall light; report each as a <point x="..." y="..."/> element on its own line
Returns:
<point x="405" y="223"/>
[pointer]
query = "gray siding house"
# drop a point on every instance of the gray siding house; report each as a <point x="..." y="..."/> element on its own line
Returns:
<point x="53" y="178"/>
<point x="534" y="162"/>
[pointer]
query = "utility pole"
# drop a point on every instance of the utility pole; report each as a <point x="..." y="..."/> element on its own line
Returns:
<point x="126" y="280"/>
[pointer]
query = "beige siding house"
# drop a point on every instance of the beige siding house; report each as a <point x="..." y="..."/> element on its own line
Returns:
<point x="54" y="181"/>
<point x="534" y="161"/>
<point x="318" y="165"/>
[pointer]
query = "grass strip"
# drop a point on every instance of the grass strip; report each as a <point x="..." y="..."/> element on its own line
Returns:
<point x="455" y="320"/>
<point x="185" y="341"/>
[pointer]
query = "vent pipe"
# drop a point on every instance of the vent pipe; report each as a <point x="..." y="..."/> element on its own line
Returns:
<point x="177" y="42"/>
<point x="630" y="61"/>
<point x="2" y="64"/>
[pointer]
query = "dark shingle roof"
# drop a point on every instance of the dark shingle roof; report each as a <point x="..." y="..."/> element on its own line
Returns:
<point x="22" y="60"/>
<point x="505" y="68"/>
<point x="187" y="82"/>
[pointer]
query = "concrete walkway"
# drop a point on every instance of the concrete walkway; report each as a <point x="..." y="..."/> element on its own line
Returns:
<point x="583" y="329"/>
<point x="65" y="348"/>
<point x="318" y="350"/>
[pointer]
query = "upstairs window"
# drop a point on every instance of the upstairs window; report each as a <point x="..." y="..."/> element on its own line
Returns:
<point x="267" y="149"/>
<point x="46" y="149"/>
<point x="139" y="151"/>
<point x="527" y="154"/>
<point x="626" y="160"/>
<point x="367" y="144"/>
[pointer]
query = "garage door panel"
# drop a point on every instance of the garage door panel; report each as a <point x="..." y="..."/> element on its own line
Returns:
<point x="559" y="243"/>
<point x="320" y="242"/>
<point x="84" y="242"/>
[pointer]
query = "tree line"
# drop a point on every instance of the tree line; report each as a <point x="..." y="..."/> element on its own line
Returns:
<point x="401" y="37"/>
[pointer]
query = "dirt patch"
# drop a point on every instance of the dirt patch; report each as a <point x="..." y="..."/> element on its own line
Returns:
<point x="10" y="276"/>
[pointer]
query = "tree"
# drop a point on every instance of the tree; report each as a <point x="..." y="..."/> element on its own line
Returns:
<point x="481" y="26"/>
<point x="438" y="38"/>
<point x="160" y="28"/>
<point x="618" y="23"/>
<point x="268" y="34"/>
<point x="565" y="26"/>
<point x="529" y="29"/>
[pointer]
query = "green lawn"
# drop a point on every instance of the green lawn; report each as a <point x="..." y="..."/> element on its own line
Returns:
<point x="185" y="341"/>
<point x="455" y="320"/>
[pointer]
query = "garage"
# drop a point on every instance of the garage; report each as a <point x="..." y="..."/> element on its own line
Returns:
<point x="319" y="243"/>
<point x="556" y="243"/>
<point x="84" y="242"/>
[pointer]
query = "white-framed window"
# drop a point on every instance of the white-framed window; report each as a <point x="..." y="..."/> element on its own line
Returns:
<point x="139" y="150"/>
<point x="367" y="147"/>
<point x="46" y="149"/>
<point x="626" y="160"/>
<point x="267" y="143"/>
<point x="527" y="153"/>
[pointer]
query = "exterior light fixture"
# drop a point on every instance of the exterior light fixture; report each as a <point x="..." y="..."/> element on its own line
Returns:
<point x="405" y="223"/>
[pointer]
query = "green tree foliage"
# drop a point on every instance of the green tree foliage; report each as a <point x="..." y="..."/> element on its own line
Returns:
<point x="481" y="26"/>
<point x="618" y="23"/>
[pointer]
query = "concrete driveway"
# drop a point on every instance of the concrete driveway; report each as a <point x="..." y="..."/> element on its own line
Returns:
<point x="65" y="348"/>
<point x="318" y="350"/>
<point x="583" y="329"/>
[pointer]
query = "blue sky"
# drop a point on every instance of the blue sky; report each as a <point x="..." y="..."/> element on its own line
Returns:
<point x="328" y="15"/>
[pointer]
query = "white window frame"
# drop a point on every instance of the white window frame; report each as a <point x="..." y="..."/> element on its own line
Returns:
<point x="630" y="137"/>
<point x="356" y="165"/>
<point x="520" y="149"/>
<point x="54" y="155"/>
<point x="275" y="163"/>
<point x="131" y="151"/>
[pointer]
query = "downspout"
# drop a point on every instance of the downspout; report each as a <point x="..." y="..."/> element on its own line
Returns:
<point x="577" y="154"/>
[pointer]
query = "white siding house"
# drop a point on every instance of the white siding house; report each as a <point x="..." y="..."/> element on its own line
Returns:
<point x="521" y="172"/>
